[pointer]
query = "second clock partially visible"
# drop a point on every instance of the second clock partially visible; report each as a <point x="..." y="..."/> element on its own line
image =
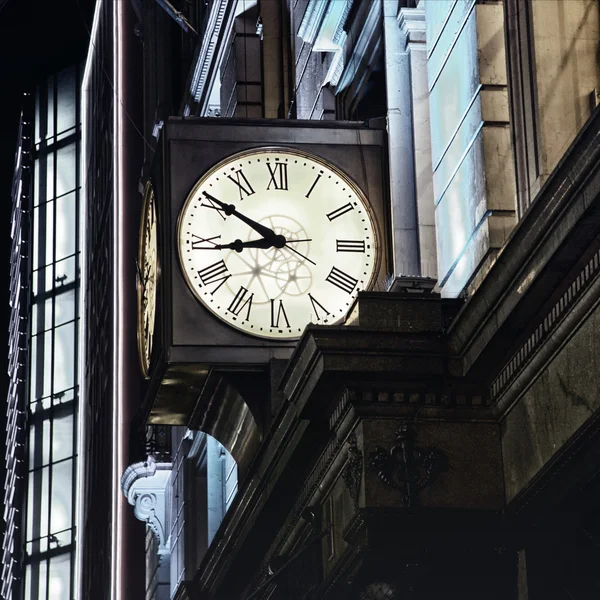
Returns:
<point x="272" y="239"/>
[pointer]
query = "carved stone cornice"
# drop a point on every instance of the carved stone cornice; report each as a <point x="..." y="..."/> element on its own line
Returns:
<point x="365" y="49"/>
<point x="553" y="330"/>
<point x="144" y="484"/>
<point x="311" y="20"/>
<point x="219" y="21"/>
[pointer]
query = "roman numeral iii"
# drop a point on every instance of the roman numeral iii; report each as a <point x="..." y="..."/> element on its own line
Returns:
<point x="349" y="246"/>
<point x="213" y="274"/>
<point x="242" y="182"/>
<point x="279" y="177"/>
<point x="341" y="280"/>
<point x="275" y="318"/>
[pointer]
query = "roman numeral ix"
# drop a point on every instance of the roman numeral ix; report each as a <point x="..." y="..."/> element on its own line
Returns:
<point x="213" y="274"/>
<point x="241" y="301"/>
<point x="341" y="280"/>
<point x="242" y="182"/>
<point x="275" y="318"/>
<point x="279" y="177"/>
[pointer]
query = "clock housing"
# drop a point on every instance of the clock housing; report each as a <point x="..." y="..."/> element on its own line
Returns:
<point x="190" y="339"/>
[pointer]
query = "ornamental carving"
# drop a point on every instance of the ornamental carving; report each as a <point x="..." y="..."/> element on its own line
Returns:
<point x="407" y="467"/>
<point x="144" y="484"/>
<point x="352" y="473"/>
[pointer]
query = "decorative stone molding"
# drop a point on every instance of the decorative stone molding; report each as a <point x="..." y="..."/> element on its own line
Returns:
<point x="207" y="50"/>
<point x="407" y="467"/>
<point x="545" y="330"/>
<point x="372" y="28"/>
<point x="411" y="22"/>
<point x="145" y="487"/>
<point x="352" y="473"/>
<point x="311" y="21"/>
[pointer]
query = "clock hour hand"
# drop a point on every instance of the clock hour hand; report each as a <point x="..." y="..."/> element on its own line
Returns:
<point x="238" y="245"/>
<point x="229" y="209"/>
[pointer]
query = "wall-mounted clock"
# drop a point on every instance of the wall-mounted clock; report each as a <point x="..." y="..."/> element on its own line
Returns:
<point x="271" y="239"/>
<point x="147" y="278"/>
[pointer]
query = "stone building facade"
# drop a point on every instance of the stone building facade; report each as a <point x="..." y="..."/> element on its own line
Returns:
<point x="443" y="440"/>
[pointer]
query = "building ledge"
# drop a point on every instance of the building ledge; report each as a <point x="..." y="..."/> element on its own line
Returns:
<point x="544" y="247"/>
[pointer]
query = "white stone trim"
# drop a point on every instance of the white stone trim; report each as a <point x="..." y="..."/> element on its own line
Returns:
<point x="411" y="22"/>
<point x="207" y="50"/>
<point x="144" y="484"/>
<point x="311" y="20"/>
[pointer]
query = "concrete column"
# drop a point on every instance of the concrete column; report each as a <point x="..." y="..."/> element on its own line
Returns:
<point x="412" y="25"/>
<point x="275" y="58"/>
<point x="401" y="162"/>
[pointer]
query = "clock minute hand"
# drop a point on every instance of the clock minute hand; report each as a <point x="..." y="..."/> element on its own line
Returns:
<point x="229" y="209"/>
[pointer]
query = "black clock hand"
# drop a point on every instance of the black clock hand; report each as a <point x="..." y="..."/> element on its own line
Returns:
<point x="238" y="245"/>
<point x="229" y="209"/>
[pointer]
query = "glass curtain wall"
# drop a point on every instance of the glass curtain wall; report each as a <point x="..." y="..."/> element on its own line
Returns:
<point x="53" y="385"/>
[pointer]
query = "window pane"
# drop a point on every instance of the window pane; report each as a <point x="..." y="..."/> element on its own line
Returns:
<point x="43" y="179"/>
<point x="37" y="509"/>
<point x="36" y="237"/>
<point x="65" y="226"/>
<point x="64" y="307"/>
<point x="37" y="115"/>
<point x="66" y="100"/>
<point x="41" y="364"/>
<point x="60" y="577"/>
<point x="62" y="438"/>
<point x="62" y="494"/>
<point x="39" y="443"/>
<point x="50" y="88"/>
<point x="64" y="353"/>
<point x="42" y="316"/>
<point x="48" y="228"/>
<point x="65" y="271"/>
<point x="65" y="170"/>
<point x="36" y="577"/>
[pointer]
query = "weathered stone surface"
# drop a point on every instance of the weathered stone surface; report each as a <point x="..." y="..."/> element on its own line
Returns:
<point x="474" y="478"/>
<point x="562" y="399"/>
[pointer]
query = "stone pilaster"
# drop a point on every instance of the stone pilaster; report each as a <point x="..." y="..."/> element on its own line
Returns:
<point x="411" y="22"/>
<point x="473" y="166"/>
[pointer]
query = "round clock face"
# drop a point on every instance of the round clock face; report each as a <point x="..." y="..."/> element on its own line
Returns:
<point x="147" y="276"/>
<point x="273" y="239"/>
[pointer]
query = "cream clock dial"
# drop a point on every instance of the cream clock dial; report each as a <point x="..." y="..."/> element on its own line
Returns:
<point x="273" y="239"/>
<point x="147" y="276"/>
